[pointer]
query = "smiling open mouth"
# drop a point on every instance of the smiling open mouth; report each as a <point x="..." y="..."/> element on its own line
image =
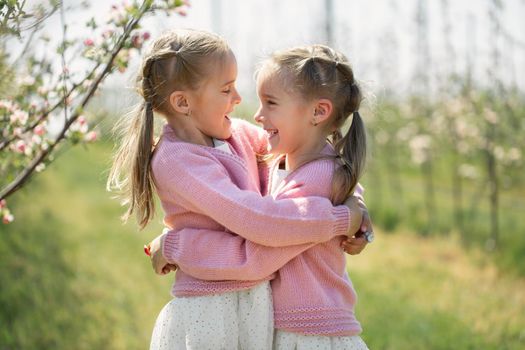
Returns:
<point x="272" y="132"/>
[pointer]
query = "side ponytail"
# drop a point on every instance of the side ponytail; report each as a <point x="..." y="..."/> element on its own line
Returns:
<point x="351" y="156"/>
<point x="142" y="178"/>
<point x="130" y="173"/>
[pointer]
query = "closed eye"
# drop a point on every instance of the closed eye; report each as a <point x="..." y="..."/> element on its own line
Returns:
<point x="227" y="89"/>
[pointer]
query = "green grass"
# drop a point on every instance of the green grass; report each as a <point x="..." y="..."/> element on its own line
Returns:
<point x="73" y="277"/>
<point x="428" y="293"/>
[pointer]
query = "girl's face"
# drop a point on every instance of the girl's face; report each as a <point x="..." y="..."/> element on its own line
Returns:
<point x="211" y="104"/>
<point x="285" y="116"/>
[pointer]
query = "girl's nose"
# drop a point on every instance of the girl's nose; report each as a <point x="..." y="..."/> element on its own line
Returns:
<point x="258" y="117"/>
<point x="237" y="98"/>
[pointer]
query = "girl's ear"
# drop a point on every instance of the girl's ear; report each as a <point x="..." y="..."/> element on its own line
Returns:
<point x="322" y="110"/>
<point x="179" y="102"/>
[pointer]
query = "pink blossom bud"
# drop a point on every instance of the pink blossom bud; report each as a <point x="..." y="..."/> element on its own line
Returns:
<point x="20" y="146"/>
<point x="19" y="116"/>
<point x="36" y="139"/>
<point x="146" y="35"/>
<point x="91" y="136"/>
<point x="23" y="116"/>
<point x="8" y="218"/>
<point x="40" y="167"/>
<point x="81" y="120"/>
<point x="89" y="42"/>
<point x="40" y="130"/>
<point x="3" y="204"/>
<point x="107" y="33"/>
<point x="135" y="41"/>
<point x="28" y="150"/>
<point x="181" y="12"/>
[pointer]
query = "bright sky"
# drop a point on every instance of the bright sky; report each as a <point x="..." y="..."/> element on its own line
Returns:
<point x="378" y="36"/>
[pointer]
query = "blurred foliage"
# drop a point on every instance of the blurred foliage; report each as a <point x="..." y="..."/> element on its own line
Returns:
<point x="74" y="277"/>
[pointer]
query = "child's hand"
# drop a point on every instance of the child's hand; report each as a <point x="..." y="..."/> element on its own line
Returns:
<point x="158" y="262"/>
<point x="355" y="244"/>
<point x="356" y="215"/>
<point x="168" y="268"/>
<point x="366" y="224"/>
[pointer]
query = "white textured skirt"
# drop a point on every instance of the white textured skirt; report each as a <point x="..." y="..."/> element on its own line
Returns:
<point x="240" y="320"/>
<point x="293" y="341"/>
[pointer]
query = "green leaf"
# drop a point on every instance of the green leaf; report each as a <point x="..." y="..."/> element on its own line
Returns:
<point x="91" y="23"/>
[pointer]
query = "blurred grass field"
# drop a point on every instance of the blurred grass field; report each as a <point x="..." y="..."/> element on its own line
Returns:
<point x="73" y="277"/>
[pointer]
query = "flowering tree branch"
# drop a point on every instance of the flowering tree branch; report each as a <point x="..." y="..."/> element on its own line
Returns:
<point x="25" y="144"/>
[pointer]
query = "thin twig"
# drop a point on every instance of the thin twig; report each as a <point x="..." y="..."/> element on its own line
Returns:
<point x="63" y="56"/>
<point x="45" y="114"/>
<point x="26" y="46"/>
<point x="24" y="175"/>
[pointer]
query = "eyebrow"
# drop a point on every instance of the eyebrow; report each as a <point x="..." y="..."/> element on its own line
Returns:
<point x="229" y="82"/>
<point x="271" y="97"/>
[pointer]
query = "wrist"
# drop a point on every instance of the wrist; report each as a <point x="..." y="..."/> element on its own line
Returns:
<point x="342" y="215"/>
<point x="170" y="246"/>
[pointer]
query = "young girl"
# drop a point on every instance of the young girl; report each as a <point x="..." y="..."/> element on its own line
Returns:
<point x="189" y="78"/>
<point x="306" y="95"/>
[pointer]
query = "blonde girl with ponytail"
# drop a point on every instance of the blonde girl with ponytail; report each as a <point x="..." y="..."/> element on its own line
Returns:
<point x="204" y="171"/>
<point x="306" y="95"/>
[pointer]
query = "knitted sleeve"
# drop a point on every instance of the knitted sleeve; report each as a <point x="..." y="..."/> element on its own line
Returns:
<point x="219" y="255"/>
<point x="204" y="184"/>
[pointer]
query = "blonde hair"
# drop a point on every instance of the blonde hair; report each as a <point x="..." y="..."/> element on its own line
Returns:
<point x="317" y="71"/>
<point x="178" y="60"/>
